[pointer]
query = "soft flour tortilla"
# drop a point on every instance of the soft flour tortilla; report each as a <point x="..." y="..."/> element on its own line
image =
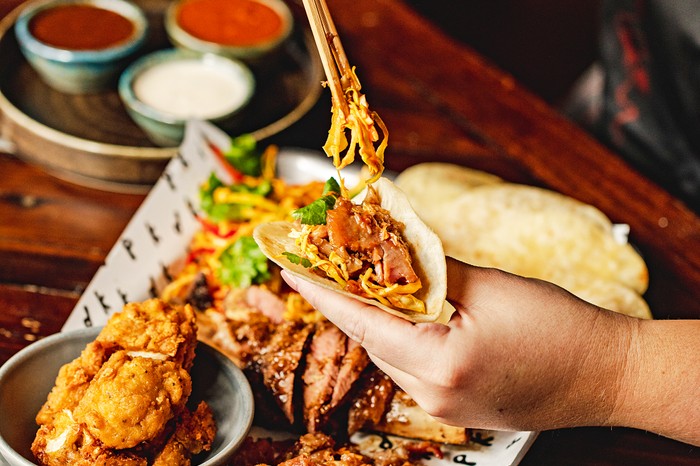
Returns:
<point x="425" y="183"/>
<point x="529" y="231"/>
<point x="539" y="233"/>
<point x="426" y="250"/>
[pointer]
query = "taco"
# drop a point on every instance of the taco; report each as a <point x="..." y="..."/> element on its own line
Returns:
<point x="376" y="250"/>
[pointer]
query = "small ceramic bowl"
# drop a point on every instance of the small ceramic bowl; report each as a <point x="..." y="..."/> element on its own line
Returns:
<point x="249" y="30"/>
<point x="163" y="90"/>
<point x="80" y="46"/>
<point x="27" y="378"/>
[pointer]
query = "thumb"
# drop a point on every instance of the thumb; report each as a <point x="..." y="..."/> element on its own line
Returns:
<point x="383" y="335"/>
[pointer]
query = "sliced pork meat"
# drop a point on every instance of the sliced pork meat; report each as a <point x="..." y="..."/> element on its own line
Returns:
<point x="354" y="362"/>
<point x="267" y="302"/>
<point x="323" y="361"/>
<point x="251" y="335"/>
<point x="280" y="360"/>
<point x="366" y="236"/>
<point x="396" y="262"/>
<point x="371" y="401"/>
<point x="351" y="228"/>
<point x="268" y="413"/>
<point x="239" y="339"/>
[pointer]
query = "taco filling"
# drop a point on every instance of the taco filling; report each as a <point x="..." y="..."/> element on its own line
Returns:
<point x="377" y="251"/>
<point x="363" y="249"/>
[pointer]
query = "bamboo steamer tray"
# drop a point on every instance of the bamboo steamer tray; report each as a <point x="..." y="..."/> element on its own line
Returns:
<point x="90" y="140"/>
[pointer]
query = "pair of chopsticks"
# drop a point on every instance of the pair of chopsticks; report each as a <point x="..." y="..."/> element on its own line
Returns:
<point x="365" y="126"/>
<point x="335" y="63"/>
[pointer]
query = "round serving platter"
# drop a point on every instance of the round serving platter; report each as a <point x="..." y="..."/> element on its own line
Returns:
<point x="90" y="140"/>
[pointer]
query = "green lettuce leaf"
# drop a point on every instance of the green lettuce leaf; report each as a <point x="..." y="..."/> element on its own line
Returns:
<point x="244" y="155"/>
<point x="243" y="264"/>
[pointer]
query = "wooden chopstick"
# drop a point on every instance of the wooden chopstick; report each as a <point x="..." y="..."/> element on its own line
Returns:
<point x="335" y="63"/>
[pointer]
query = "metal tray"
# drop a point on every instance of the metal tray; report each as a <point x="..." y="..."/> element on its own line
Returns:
<point x="90" y="140"/>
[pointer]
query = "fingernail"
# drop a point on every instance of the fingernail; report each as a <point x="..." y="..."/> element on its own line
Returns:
<point x="290" y="279"/>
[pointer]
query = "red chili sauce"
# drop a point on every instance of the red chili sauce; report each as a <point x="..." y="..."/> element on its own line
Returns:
<point x="230" y="22"/>
<point x="80" y="27"/>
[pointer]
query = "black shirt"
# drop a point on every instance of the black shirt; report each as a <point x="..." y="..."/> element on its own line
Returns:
<point x="650" y="52"/>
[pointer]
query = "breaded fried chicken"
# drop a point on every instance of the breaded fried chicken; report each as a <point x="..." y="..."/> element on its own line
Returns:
<point x="73" y="381"/>
<point x="194" y="433"/>
<point x="122" y="402"/>
<point x="132" y="398"/>
<point x="155" y="327"/>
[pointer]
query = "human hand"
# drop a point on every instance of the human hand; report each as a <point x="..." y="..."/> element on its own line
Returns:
<point x="518" y="354"/>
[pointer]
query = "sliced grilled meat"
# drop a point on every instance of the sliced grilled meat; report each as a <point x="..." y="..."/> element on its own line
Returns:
<point x="323" y="361"/>
<point x="267" y="302"/>
<point x="268" y="413"/>
<point x="354" y="362"/>
<point x="280" y="360"/>
<point x="371" y="401"/>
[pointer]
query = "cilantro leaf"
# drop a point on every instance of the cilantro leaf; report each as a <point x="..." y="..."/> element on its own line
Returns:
<point x="331" y="186"/>
<point x="244" y="155"/>
<point x="243" y="264"/>
<point x="294" y="259"/>
<point x="315" y="213"/>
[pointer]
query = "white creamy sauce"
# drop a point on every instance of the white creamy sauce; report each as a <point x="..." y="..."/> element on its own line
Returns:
<point x="190" y="88"/>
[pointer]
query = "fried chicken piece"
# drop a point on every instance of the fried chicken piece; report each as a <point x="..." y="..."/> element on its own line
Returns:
<point x="132" y="398"/>
<point x="123" y="399"/>
<point x="150" y="326"/>
<point x="65" y="441"/>
<point x="156" y="327"/>
<point x="194" y="433"/>
<point x="73" y="380"/>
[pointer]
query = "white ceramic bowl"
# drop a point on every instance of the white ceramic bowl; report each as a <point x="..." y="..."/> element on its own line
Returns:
<point x="163" y="90"/>
<point x="78" y="71"/>
<point x="27" y="378"/>
<point x="253" y="53"/>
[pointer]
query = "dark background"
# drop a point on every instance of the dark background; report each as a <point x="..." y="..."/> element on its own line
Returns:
<point x="545" y="44"/>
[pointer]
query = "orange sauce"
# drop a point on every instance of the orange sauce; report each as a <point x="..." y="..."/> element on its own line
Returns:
<point x="230" y="22"/>
<point x="80" y="27"/>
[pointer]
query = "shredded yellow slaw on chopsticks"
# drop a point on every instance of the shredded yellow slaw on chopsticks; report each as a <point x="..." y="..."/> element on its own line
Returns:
<point x="350" y="112"/>
<point x="353" y="116"/>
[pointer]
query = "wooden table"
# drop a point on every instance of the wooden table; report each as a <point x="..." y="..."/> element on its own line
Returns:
<point x="441" y="102"/>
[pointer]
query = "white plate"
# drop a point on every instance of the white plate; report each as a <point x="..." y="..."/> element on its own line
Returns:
<point x="160" y="231"/>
